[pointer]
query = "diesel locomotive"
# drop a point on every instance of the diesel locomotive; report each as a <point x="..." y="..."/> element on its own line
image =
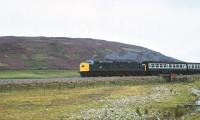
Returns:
<point x="95" y="68"/>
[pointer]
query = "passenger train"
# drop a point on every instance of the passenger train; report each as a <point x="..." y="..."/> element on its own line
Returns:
<point x="97" y="68"/>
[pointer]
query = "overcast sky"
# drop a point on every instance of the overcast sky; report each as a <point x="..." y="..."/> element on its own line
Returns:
<point x="171" y="27"/>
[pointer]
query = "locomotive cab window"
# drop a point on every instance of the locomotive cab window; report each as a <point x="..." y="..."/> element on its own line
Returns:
<point x="82" y="65"/>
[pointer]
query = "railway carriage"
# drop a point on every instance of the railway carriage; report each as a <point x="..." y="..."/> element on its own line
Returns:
<point x="132" y="68"/>
<point x="193" y="68"/>
<point x="156" y="68"/>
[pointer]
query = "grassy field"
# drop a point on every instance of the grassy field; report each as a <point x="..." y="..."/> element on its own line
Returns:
<point x="23" y="74"/>
<point x="108" y="101"/>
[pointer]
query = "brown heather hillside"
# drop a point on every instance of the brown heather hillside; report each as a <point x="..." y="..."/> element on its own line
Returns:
<point x="66" y="53"/>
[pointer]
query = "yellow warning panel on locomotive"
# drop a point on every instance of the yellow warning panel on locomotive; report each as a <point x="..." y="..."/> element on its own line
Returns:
<point x="84" y="67"/>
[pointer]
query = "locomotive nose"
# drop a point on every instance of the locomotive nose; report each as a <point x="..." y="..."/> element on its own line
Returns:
<point x="84" y="67"/>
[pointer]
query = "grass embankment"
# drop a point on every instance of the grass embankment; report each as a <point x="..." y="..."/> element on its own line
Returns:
<point x="23" y="74"/>
<point x="89" y="101"/>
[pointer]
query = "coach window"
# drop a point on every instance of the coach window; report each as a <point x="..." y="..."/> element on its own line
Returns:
<point x="165" y="65"/>
<point x="192" y="66"/>
<point x="189" y="66"/>
<point x="156" y="65"/>
<point x="181" y="66"/>
<point x="162" y="65"/>
<point x="170" y="65"/>
<point x="178" y="65"/>
<point x="152" y="65"/>
<point x="174" y="65"/>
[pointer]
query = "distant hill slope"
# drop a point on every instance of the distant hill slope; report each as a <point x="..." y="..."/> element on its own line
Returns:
<point x="66" y="53"/>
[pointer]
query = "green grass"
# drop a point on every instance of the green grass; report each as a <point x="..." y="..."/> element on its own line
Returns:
<point x="56" y="103"/>
<point x="20" y="74"/>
